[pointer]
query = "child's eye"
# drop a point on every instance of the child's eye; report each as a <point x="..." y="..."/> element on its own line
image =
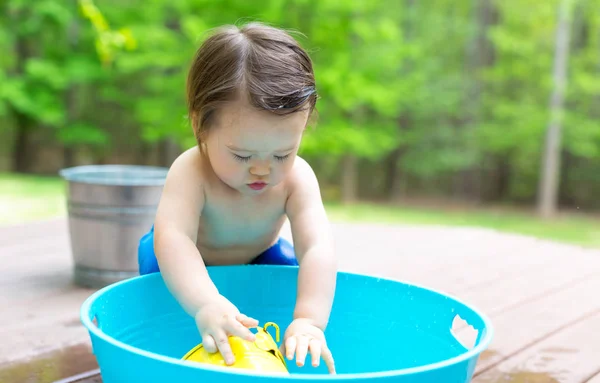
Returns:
<point x="240" y="158"/>
<point x="282" y="158"/>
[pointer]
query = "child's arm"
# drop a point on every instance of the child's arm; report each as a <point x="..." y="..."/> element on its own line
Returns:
<point x="181" y="264"/>
<point x="314" y="247"/>
<point x="175" y="234"/>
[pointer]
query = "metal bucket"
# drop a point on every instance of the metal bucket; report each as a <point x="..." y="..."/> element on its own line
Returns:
<point x="110" y="207"/>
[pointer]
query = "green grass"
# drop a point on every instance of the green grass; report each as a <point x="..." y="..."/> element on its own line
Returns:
<point x="572" y="228"/>
<point x="27" y="198"/>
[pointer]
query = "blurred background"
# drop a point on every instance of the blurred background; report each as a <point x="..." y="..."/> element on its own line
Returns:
<point x="470" y="112"/>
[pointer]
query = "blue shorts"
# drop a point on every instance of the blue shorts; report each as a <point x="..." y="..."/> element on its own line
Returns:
<point x="281" y="253"/>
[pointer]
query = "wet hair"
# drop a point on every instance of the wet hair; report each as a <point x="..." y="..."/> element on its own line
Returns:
<point x="262" y="64"/>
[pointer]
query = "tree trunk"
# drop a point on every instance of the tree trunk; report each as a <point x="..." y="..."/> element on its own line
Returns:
<point x="480" y="54"/>
<point x="23" y="126"/>
<point x="21" y="161"/>
<point x="550" y="169"/>
<point x="71" y="96"/>
<point x="564" y="198"/>
<point x="168" y="150"/>
<point x="394" y="173"/>
<point x="498" y="180"/>
<point x="349" y="176"/>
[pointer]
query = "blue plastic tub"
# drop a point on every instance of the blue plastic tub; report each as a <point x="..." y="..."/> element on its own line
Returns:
<point x="380" y="330"/>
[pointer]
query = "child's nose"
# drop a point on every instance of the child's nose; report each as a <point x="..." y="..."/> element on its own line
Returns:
<point x="260" y="169"/>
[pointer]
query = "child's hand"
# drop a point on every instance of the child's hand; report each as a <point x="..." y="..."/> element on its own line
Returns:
<point x="219" y="319"/>
<point x="302" y="336"/>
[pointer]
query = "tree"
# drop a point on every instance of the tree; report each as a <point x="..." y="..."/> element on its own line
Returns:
<point x="549" y="185"/>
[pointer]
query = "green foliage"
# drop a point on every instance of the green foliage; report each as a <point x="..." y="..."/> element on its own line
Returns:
<point x="449" y="87"/>
<point x="107" y="40"/>
<point x="82" y="133"/>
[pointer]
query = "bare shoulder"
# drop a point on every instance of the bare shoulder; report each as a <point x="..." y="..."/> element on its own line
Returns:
<point x="302" y="184"/>
<point x="187" y="167"/>
<point x="182" y="198"/>
<point x="301" y="174"/>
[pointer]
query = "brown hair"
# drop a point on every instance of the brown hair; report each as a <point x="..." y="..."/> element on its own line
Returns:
<point x="262" y="63"/>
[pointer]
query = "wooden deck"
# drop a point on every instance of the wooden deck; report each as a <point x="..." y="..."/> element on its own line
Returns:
<point x="542" y="297"/>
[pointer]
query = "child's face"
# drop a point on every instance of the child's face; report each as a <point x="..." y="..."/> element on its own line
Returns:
<point x="252" y="150"/>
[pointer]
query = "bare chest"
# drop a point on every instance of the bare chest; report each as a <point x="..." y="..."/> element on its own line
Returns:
<point x="231" y="223"/>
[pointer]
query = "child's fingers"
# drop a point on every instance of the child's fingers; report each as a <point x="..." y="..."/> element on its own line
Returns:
<point x="222" y="341"/>
<point x="290" y="347"/>
<point x="301" y="350"/>
<point x="314" y="346"/>
<point x="247" y="321"/>
<point x="328" y="358"/>
<point x="208" y="342"/>
<point x="236" y="328"/>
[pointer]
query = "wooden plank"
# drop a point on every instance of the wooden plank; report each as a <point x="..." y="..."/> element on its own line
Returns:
<point x="510" y="277"/>
<point x="524" y="288"/>
<point x="48" y="368"/>
<point x="521" y="288"/>
<point x="522" y="326"/>
<point x="22" y="233"/>
<point x="569" y="356"/>
<point x="35" y="263"/>
<point x="92" y="376"/>
<point x="513" y="256"/>
<point x="64" y="304"/>
<point x="52" y="325"/>
<point x="486" y="270"/>
<point x="457" y="260"/>
<point x="39" y="294"/>
<point x="33" y="247"/>
<point x="27" y="280"/>
<point x="595" y="378"/>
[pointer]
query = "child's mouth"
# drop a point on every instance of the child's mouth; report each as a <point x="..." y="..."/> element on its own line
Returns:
<point x="257" y="185"/>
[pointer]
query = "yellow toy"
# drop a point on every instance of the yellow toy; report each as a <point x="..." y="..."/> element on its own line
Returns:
<point x="260" y="355"/>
